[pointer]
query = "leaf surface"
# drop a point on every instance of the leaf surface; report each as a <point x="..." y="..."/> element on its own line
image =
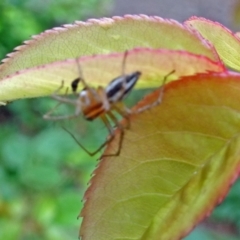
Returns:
<point x="101" y="69"/>
<point x="226" y="43"/>
<point x="176" y="163"/>
<point x="103" y="36"/>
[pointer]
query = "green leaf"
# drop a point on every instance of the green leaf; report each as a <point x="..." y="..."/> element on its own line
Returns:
<point x="106" y="35"/>
<point x="226" y="42"/>
<point x="176" y="163"/>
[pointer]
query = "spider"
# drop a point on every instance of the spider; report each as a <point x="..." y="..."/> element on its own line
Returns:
<point x="100" y="102"/>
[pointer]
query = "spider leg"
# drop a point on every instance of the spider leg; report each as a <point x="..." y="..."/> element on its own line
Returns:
<point x="49" y="115"/>
<point x="61" y="100"/>
<point x="110" y="137"/>
<point x="114" y="119"/>
<point x="80" y="74"/>
<point x="84" y="148"/>
<point x="160" y="96"/>
<point x="110" y="129"/>
<point x="58" y="89"/>
<point x="124" y="62"/>
<point x="123" y="111"/>
<point x="64" y="100"/>
<point x="124" y="86"/>
<point x="82" y="80"/>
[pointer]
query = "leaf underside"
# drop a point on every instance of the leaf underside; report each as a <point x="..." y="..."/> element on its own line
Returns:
<point x="101" y="69"/>
<point x="176" y="163"/>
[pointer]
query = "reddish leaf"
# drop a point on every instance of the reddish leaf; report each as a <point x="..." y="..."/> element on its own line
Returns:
<point x="176" y="163"/>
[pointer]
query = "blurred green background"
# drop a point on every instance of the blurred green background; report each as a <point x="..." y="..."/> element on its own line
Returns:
<point x="43" y="172"/>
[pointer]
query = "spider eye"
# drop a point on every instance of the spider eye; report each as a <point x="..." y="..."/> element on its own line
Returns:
<point x="75" y="84"/>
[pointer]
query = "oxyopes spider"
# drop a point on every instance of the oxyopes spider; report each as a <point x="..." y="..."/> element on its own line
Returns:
<point x="100" y="102"/>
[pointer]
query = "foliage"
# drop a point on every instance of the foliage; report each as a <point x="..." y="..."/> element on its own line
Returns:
<point x="43" y="172"/>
